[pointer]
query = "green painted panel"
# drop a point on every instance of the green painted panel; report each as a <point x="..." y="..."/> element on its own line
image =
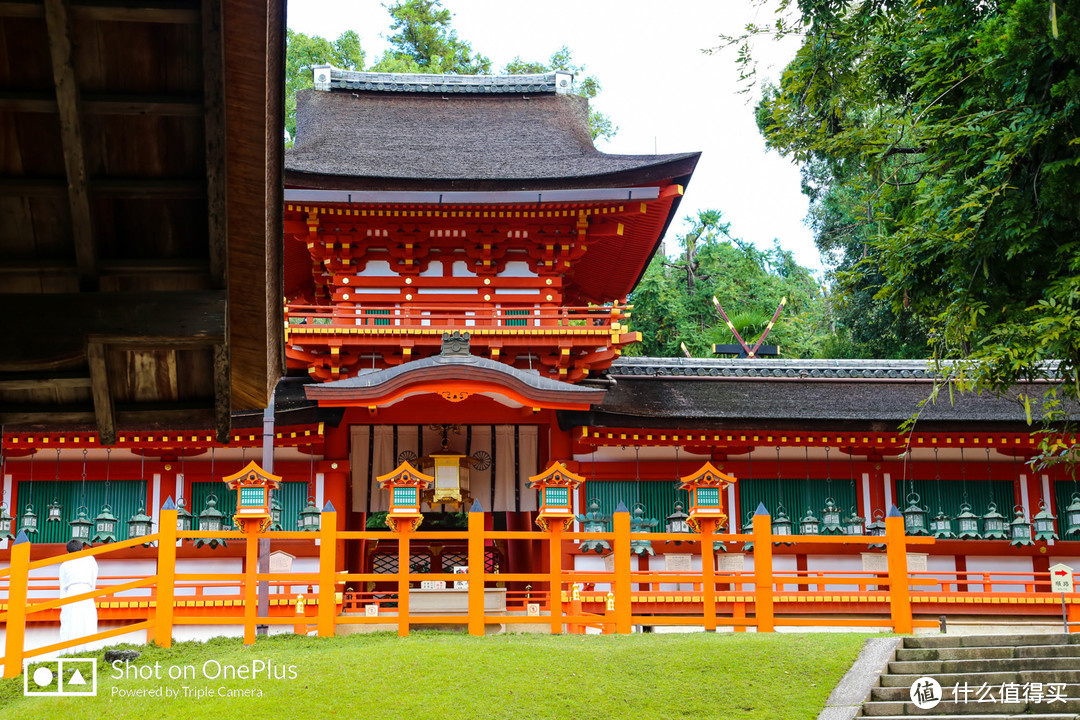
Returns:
<point x="1063" y="491"/>
<point x="708" y="497"/>
<point x="252" y="496"/>
<point x="948" y="495"/>
<point x="797" y="496"/>
<point x="376" y="322"/>
<point x="405" y="496"/>
<point x="292" y="494"/>
<point x="125" y="499"/>
<point x="658" y="497"/>
<point x="515" y="323"/>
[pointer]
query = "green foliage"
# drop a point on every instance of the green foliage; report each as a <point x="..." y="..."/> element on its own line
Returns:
<point x="303" y="52"/>
<point x="950" y="127"/>
<point x="673" y="302"/>
<point x="600" y="125"/>
<point x="424" y="42"/>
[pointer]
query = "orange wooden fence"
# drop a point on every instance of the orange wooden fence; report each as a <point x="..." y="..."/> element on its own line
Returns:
<point x="718" y="598"/>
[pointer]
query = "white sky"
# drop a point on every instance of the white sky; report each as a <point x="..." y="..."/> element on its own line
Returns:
<point x="657" y="86"/>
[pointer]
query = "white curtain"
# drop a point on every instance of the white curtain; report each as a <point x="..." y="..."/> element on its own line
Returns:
<point x="359" y="458"/>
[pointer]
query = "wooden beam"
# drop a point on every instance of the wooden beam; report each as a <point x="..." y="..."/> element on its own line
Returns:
<point x="222" y="394"/>
<point x="131" y="417"/>
<point x="97" y="357"/>
<point x="71" y="140"/>
<point x="146" y="11"/>
<point x="152" y="319"/>
<point x="157" y="188"/>
<point x="38" y="381"/>
<point x="214" y="122"/>
<point x="95" y="104"/>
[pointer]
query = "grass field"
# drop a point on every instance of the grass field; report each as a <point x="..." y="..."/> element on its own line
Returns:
<point x="446" y="676"/>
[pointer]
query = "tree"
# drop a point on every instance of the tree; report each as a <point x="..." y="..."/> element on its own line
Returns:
<point x="673" y="302"/>
<point x="424" y="42"/>
<point x="600" y="125"/>
<point x="303" y="52"/>
<point x="955" y="124"/>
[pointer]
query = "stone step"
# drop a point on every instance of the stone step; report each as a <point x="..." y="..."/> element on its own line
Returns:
<point x="903" y="693"/>
<point x="950" y="707"/>
<point x="992" y="678"/>
<point x="945" y="667"/>
<point x="989" y="652"/>
<point x="941" y="641"/>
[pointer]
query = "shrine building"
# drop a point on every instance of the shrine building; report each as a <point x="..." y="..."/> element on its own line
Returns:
<point x="459" y="267"/>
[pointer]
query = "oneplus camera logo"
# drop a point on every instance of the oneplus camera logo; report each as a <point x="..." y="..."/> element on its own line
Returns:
<point x="65" y="676"/>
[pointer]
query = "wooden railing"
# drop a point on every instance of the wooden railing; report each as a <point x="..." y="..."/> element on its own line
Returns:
<point x="464" y="316"/>
<point x="563" y="599"/>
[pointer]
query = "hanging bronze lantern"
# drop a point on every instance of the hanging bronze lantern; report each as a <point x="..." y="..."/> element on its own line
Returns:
<point x="28" y="521"/>
<point x="831" y="524"/>
<point x="275" y="512"/>
<point x="5" y="523"/>
<point x="1044" y="523"/>
<point x="876" y="528"/>
<point x="941" y="526"/>
<point x="184" y="519"/>
<point x="809" y="525"/>
<point x="914" y="516"/>
<point x="310" y="517"/>
<point x="781" y="523"/>
<point x="1020" y="529"/>
<point x="854" y="523"/>
<point x="211" y="520"/>
<point x="81" y="526"/>
<point x="1072" y="518"/>
<point x="55" y="511"/>
<point x="994" y="524"/>
<point x="594" y="521"/>
<point x="640" y="523"/>
<point x="139" y="525"/>
<point x="105" y="526"/>
<point x="967" y="523"/>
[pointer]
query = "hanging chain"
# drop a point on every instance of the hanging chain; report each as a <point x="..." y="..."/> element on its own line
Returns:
<point x="82" y="487"/>
<point x="779" y="483"/>
<point x="963" y="476"/>
<point x="937" y="480"/>
<point x="108" y="468"/>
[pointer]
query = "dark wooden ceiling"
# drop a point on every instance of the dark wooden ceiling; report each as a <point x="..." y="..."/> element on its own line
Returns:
<point x="140" y="212"/>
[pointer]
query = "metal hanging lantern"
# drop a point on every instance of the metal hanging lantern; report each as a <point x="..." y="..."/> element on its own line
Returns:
<point x="809" y="525"/>
<point x="967" y="523"/>
<point x="184" y="519"/>
<point x="854" y="524"/>
<point x="748" y="527"/>
<point x="676" y="521"/>
<point x="640" y="523"/>
<point x="81" y="526"/>
<point x="941" y="526"/>
<point x="310" y="517"/>
<point x="831" y="523"/>
<point x="139" y="525"/>
<point x="993" y="524"/>
<point x="211" y="520"/>
<point x="781" y="524"/>
<point x="1072" y="518"/>
<point x="1044" y="523"/>
<point x="55" y="512"/>
<point x="591" y="522"/>
<point x="28" y="521"/>
<point x="876" y="528"/>
<point x="275" y="512"/>
<point x="1020" y="529"/>
<point x="5" y="523"/>
<point x="105" y="526"/>
<point x="914" y="516"/>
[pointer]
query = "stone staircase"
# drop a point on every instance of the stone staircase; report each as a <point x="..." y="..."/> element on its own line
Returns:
<point x="1047" y="667"/>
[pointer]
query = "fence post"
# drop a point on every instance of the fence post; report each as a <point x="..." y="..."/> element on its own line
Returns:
<point x="708" y="571"/>
<point x="623" y="609"/>
<point x="327" y="570"/>
<point x="165" y="591"/>
<point x="763" y="575"/>
<point x="555" y="528"/>
<point x="16" y="620"/>
<point x="476" y="569"/>
<point x="404" y="558"/>
<point x="251" y="598"/>
<point x="899" y="592"/>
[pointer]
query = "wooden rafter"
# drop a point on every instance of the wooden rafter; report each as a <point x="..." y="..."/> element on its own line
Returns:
<point x="97" y="104"/>
<point x="97" y="358"/>
<point x="71" y="139"/>
<point x="165" y="11"/>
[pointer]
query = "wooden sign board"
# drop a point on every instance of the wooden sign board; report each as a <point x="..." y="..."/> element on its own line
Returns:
<point x="731" y="562"/>
<point x="879" y="562"/>
<point x="281" y="562"/>
<point x="371" y="610"/>
<point x="677" y="562"/>
<point x="432" y="584"/>
<point x="532" y="609"/>
<point x="1061" y="578"/>
<point x="461" y="584"/>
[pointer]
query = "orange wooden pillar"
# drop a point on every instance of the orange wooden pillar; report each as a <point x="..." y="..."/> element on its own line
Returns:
<point x="16" y="617"/>
<point x="476" y="569"/>
<point x="623" y="604"/>
<point x="555" y="603"/>
<point x="708" y="572"/>
<point x="251" y="587"/>
<point x="327" y="565"/>
<point x="404" y="557"/>
<point x="166" y="575"/>
<point x="763" y="572"/>
<point x="899" y="592"/>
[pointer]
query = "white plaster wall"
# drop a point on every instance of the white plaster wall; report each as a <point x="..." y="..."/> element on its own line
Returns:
<point x="998" y="564"/>
<point x="836" y="565"/>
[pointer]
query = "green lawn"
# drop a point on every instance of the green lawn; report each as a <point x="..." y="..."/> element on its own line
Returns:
<point x="446" y="676"/>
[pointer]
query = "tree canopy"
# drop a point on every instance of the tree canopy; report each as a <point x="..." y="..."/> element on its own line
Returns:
<point x="943" y="137"/>
<point x="423" y="41"/>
